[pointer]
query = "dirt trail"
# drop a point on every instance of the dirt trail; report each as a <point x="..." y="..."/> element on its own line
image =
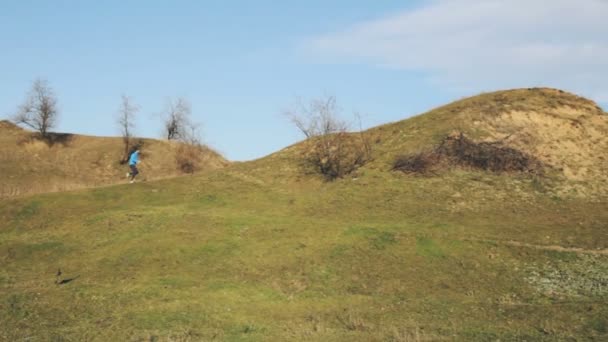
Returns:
<point x="556" y="248"/>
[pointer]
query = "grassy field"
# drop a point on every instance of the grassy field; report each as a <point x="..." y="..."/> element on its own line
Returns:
<point x="264" y="251"/>
<point x="383" y="257"/>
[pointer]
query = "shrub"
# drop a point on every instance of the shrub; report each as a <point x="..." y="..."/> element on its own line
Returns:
<point x="333" y="152"/>
<point x="422" y="162"/>
<point x="188" y="158"/>
<point x="339" y="154"/>
<point x="458" y="150"/>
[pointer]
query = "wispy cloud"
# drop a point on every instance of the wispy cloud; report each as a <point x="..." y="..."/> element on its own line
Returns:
<point x="486" y="44"/>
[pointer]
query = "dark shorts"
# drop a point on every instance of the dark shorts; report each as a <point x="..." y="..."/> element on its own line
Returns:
<point x="134" y="170"/>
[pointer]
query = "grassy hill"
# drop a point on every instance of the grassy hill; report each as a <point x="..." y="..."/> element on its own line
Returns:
<point x="268" y="251"/>
<point x="29" y="165"/>
<point x="568" y="133"/>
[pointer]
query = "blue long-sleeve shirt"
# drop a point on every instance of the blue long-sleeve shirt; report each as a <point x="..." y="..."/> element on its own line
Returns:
<point x="134" y="159"/>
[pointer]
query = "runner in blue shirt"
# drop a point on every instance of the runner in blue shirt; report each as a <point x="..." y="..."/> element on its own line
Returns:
<point x="133" y="161"/>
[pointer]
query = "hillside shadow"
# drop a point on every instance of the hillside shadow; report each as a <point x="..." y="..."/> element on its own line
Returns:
<point x="51" y="139"/>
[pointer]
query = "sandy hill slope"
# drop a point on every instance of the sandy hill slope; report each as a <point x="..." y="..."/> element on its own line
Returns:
<point x="561" y="129"/>
<point x="28" y="165"/>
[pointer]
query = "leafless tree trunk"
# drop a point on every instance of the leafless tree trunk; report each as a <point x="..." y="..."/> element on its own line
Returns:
<point x="126" y="123"/>
<point x="39" y="111"/>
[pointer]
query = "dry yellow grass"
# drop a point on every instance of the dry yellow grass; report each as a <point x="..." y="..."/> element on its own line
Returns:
<point x="29" y="165"/>
<point x="565" y="131"/>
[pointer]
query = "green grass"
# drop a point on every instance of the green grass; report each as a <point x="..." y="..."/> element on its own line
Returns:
<point x="223" y="257"/>
<point x="428" y="248"/>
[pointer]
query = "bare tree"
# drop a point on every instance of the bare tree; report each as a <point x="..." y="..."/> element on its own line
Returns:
<point x="332" y="150"/>
<point x="126" y="123"/>
<point x="176" y="117"/>
<point x="317" y="117"/>
<point x="39" y="111"/>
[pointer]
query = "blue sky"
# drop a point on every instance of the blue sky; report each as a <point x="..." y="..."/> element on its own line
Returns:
<point x="242" y="63"/>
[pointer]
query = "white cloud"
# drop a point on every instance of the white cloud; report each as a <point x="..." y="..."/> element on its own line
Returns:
<point x="487" y="44"/>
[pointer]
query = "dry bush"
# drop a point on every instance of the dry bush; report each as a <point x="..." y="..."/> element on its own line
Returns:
<point x="423" y="162"/>
<point x="487" y="156"/>
<point x="338" y="154"/>
<point x="191" y="154"/>
<point x="332" y="151"/>
<point x="190" y="157"/>
<point x="458" y="150"/>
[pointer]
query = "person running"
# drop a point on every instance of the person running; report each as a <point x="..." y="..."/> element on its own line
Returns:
<point x="133" y="161"/>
